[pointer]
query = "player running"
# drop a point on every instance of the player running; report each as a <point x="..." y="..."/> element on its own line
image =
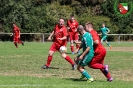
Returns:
<point x="16" y="35"/>
<point x="104" y="30"/>
<point x="87" y="55"/>
<point x="72" y="25"/>
<point x="100" y="53"/>
<point x="60" y="39"/>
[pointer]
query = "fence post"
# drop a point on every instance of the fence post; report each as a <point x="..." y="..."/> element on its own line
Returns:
<point x="119" y="39"/>
<point x="43" y="38"/>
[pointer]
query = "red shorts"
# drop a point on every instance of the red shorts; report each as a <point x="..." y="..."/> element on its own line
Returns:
<point x="16" y="39"/>
<point x="99" y="57"/>
<point x="73" y="36"/>
<point x="55" y="47"/>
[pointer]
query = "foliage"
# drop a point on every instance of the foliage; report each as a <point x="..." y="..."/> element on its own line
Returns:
<point x="41" y="15"/>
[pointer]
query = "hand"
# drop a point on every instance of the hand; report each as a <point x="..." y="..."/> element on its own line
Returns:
<point x="68" y="28"/>
<point x="81" y="57"/>
<point x="76" y="51"/>
<point x="49" y="39"/>
<point x="60" y="38"/>
<point x="76" y="30"/>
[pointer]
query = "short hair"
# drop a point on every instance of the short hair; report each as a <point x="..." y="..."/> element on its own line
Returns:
<point x="80" y="27"/>
<point x="89" y="24"/>
<point x="72" y="15"/>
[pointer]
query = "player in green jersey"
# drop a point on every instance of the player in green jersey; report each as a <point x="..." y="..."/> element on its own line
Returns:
<point x="84" y="58"/>
<point x="104" y="30"/>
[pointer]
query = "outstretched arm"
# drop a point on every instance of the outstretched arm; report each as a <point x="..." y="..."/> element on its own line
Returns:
<point x="50" y="36"/>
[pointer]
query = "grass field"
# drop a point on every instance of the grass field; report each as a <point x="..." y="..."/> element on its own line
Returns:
<point x="21" y="67"/>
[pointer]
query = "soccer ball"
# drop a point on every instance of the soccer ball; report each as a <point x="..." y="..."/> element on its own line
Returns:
<point x="63" y="49"/>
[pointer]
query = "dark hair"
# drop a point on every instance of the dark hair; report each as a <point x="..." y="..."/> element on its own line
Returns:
<point x="89" y="23"/>
<point x="72" y="15"/>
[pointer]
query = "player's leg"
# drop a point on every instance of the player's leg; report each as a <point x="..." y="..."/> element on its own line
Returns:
<point x="105" y="70"/>
<point x="76" y="38"/>
<point x="85" y="73"/>
<point x="108" y="44"/>
<point x="97" y="61"/>
<point x="69" y="59"/>
<point x="71" y="43"/>
<point x="15" y="40"/>
<point x="85" y="61"/>
<point x="102" y="39"/>
<point x="50" y="56"/>
<point x="21" y="42"/>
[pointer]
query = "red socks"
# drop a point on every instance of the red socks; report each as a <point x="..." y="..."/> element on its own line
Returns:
<point x="69" y="60"/>
<point x="16" y="44"/>
<point x="77" y="46"/>
<point x="72" y="48"/>
<point x="49" y="59"/>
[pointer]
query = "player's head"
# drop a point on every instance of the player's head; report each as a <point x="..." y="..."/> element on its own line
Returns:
<point x="61" y="22"/>
<point x="81" y="29"/>
<point x="72" y="18"/>
<point x="14" y="24"/>
<point x="103" y="24"/>
<point x="89" y="26"/>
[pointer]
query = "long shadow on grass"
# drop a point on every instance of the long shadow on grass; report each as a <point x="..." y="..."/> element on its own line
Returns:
<point x="82" y="80"/>
<point x="52" y="68"/>
<point x="75" y="79"/>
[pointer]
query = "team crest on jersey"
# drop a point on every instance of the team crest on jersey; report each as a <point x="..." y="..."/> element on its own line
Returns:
<point x="123" y="8"/>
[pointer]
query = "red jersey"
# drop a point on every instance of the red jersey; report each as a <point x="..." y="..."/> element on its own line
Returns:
<point x="73" y="25"/>
<point x="60" y="32"/>
<point x="16" y="31"/>
<point x="95" y="36"/>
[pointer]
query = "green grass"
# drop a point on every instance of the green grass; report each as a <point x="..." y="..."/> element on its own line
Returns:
<point x="21" y="68"/>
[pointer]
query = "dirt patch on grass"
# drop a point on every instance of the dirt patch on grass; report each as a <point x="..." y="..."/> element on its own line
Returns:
<point x="119" y="49"/>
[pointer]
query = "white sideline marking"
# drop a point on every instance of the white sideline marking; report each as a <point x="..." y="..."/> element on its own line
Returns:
<point x="35" y="85"/>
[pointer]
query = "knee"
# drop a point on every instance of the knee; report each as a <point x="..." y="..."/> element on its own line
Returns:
<point x="63" y="55"/>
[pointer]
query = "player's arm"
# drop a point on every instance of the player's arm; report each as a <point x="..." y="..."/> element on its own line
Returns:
<point x="95" y="38"/>
<point x="63" y="38"/>
<point x="68" y="27"/>
<point x="108" y="30"/>
<point x="96" y="42"/>
<point x="50" y="36"/>
<point x="77" y="50"/>
<point x="84" y="53"/>
<point x="19" y="33"/>
<point x="78" y="42"/>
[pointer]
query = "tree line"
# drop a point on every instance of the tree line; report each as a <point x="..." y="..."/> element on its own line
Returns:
<point x="41" y="15"/>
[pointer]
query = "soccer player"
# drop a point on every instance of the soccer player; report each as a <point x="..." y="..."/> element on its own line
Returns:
<point x="84" y="58"/>
<point x="104" y="30"/>
<point x="100" y="53"/>
<point x="72" y="25"/>
<point x="16" y="35"/>
<point x="60" y="39"/>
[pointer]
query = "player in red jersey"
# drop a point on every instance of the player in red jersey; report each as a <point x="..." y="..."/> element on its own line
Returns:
<point x="60" y="39"/>
<point x="72" y="25"/>
<point x="100" y="53"/>
<point x="16" y="35"/>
